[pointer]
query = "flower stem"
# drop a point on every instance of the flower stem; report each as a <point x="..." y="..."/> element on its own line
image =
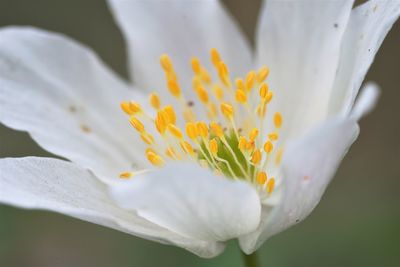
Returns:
<point x="251" y="260"/>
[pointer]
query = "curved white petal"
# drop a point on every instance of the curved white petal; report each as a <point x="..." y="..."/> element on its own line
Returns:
<point x="308" y="166"/>
<point x="193" y="202"/>
<point x="182" y="29"/>
<point x="60" y="186"/>
<point x="369" y="23"/>
<point x="300" y="42"/>
<point x="64" y="96"/>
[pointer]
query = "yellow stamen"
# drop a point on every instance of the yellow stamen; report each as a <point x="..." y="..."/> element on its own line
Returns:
<point x="137" y="124"/>
<point x="187" y="147"/>
<point x="227" y="110"/>
<point x="170" y="114"/>
<point x="217" y="129"/>
<point x="155" y="101"/>
<point x="161" y="122"/>
<point x="250" y="79"/>
<point x="166" y="63"/>
<point x="125" y="175"/>
<point x="253" y="134"/>
<point x="261" y="178"/>
<point x="268" y="147"/>
<point x="240" y="84"/>
<point x="223" y="73"/>
<point x="215" y="57"/>
<point x="256" y="157"/>
<point x="262" y="74"/>
<point x="175" y="131"/>
<point x="270" y="185"/>
<point x="196" y="67"/>
<point x="213" y="144"/>
<point x="278" y="120"/>
<point x="170" y="152"/>
<point x="191" y="130"/>
<point x="155" y="159"/>
<point x="241" y="96"/>
<point x="273" y="136"/>
<point x="263" y="90"/>
<point x="202" y="94"/>
<point x="174" y="88"/>
<point x="202" y="128"/>
<point x="242" y="143"/>
<point x="147" y="138"/>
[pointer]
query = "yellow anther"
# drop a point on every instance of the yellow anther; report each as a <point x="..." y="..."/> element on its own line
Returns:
<point x="250" y="79"/>
<point x="213" y="144"/>
<point x="202" y="128"/>
<point x="273" y="136"/>
<point x="270" y="185"/>
<point x="196" y="82"/>
<point x="241" y="96"/>
<point x="227" y="110"/>
<point x="262" y="74"/>
<point x="263" y="90"/>
<point x="166" y="63"/>
<point x="174" y="88"/>
<point x="278" y="157"/>
<point x="169" y="114"/>
<point x="218" y="92"/>
<point x="242" y="143"/>
<point x="205" y="76"/>
<point x="155" y="159"/>
<point x="268" y="147"/>
<point x="137" y="124"/>
<point x="250" y="145"/>
<point x="150" y="150"/>
<point x="170" y="152"/>
<point x="125" y="107"/>
<point x="261" y="178"/>
<point x="202" y="94"/>
<point x="223" y="73"/>
<point x="215" y="57"/>
<point x="161" y="122"/>
<point x="147" y="138"/>
<point x="278" y="120"/>
<point x="125" y="175"/>
<point x="135" y="107"/>
<point x="240" y="84"/>
<point x="268" y="97"/>
<point x="196" y="67"/>
<point x="216" y="128"/>
<point x="187" y="147"/>
<point x="256" y="157"/>
<point x="254" y="133"/>
<point x="131" y="107"/>
<point x="175" y="131"/>
<point x="191" y="130"/>
<point x="155" y="100"/>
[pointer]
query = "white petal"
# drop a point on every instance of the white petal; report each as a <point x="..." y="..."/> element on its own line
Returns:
<point x="300" y="42"/>
<point x="182" y="29"/>
<point x="55" y="185"/>
<point x="68" y="101"/>
<point x="366" y="101"/>
<point x="308" y="166"/>
<point x="191" y="201"/>
<point x="369" y="23"/>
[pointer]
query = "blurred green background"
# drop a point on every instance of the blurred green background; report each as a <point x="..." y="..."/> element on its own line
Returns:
<point x="357" y="222"/>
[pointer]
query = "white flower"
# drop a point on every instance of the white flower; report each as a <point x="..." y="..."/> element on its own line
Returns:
<point x="62" y="94"/>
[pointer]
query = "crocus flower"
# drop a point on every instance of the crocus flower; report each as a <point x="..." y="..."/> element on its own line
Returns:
<point x="231" y="143"/>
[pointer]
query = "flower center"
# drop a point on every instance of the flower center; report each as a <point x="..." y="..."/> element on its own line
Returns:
<point x="218" y="144"/>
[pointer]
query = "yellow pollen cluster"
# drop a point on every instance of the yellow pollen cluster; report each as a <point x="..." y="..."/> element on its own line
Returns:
<point x="218" y="144"/>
